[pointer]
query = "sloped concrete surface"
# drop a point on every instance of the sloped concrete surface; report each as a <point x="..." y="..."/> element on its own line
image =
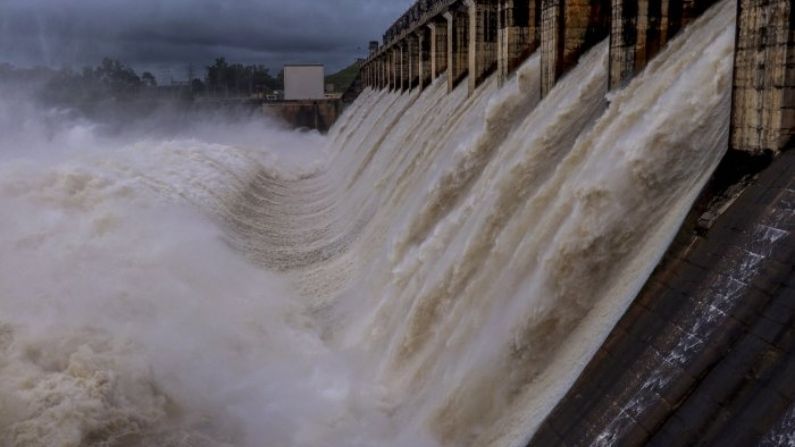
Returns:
<point x="705" y="355"/>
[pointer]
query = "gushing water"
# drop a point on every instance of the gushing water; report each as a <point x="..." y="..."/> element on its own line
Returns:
<point x="435" y="272"/>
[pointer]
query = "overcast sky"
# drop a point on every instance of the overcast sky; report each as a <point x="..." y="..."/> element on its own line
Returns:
<point x="166" y="36"/>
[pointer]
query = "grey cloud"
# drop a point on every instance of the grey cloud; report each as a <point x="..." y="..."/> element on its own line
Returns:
<point x="175" y="33"/>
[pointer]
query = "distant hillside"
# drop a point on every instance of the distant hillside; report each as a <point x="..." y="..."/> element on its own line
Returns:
<point x="343" y="78"/>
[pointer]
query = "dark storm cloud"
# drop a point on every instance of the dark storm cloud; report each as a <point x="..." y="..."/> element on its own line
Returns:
<point x="172" y="34"/>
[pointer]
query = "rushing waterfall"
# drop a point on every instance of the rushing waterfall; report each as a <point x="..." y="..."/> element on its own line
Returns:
<point x="435" y="272"/>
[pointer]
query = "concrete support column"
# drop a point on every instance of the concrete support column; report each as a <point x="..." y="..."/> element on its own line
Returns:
<point x="519" y="34"/>
<point x="385" y="70"/>
<point x="413" y="49"/>
<point x="641" y="28"/>
<point x="377" y="72"/>
<point x="382" y="71"/>
<point x="482" y="40"/>
<point x="457" y="47"/>
<point x="424" y="45"/>
<point x="388" y="71"/>
<point x="393" y="70"/>
<point x="377" y="68"/>
<point x="438" y="48"/>
<point x="405" y="72"/>
<point x="568" y="29"/>
<point x="397" y="67"/>
<point x="763" y="111"/>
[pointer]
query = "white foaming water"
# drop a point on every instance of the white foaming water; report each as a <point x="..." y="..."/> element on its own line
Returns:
<point x="435" y="272"/>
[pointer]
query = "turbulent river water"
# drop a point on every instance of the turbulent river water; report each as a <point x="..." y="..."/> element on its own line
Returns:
<point x="434" y="272"/>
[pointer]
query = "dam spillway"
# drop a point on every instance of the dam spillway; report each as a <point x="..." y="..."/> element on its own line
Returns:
<point x="672" y="372"/>
<point x="525" y="231"/>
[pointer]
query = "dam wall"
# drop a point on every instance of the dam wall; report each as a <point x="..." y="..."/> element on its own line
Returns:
<point x="486" y="36"/>
<point x="706" y="354"/>
<point x="519" y="34"/>
<point x="482" y="41"/>
<point x="457" y="46"/>
<point x="568" y="29"/>
<point x="483" y="37"/>
<point x="641" y="28"/>
<point x="764" y="77"/>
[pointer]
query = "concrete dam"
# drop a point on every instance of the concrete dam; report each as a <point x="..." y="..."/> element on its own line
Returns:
<point x="704" y="354"/>
<point x="540" y="223"/>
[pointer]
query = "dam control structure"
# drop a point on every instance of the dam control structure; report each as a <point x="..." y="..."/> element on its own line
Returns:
<point x="471" y="39"/>
<point x="732" y="381"/>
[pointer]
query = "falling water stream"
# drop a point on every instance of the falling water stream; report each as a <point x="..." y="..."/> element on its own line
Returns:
<point x="435" y="272"/>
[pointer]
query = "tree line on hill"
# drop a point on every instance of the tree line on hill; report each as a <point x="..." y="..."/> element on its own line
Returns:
<point x="112" y="81"/>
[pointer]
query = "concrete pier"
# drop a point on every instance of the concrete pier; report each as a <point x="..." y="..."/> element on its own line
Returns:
<point x="397" y="66"/>
<point x="763" y="114"/>
<point x="382" y="72"/>
<point x="396" y="82"/>
<point x="438" y="47"/>
<point x="568" y="29"/>
<point x="369" y="71"/>
<point x="413" y="50"/>
<point x="424" y="46"/>
<point x="518" y="35"/>
<point x="404" y="66"/>
<point x="376" y="79"/>
<point x="389" y="68"/>
<point x="482" y="41"/>
<point x="379" y="73"/>
<point x="457" y="46"/>
<point x="641" y="28"/>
